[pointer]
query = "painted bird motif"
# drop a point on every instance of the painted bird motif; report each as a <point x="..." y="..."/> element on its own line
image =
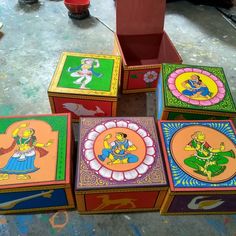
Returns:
<point x="205" y="204"/>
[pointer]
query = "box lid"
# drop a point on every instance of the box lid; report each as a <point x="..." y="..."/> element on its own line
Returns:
<point x="199" y="156"/>
<point x="119" y="153"/>
<point x="197" y="88"/>
<point x="138" y="17"/>
<point x="35" y="151"/>
<point x="86" y="74"/>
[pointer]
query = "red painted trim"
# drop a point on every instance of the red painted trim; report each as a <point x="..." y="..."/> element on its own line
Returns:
<point x="39" y="115"/>
<point x="32" y="185"/>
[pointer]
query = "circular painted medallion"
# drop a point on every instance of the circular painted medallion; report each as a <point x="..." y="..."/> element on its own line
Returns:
<point x="204" y="153"/>
<point x="119" y="150"/>
<point x="196" y="86"/>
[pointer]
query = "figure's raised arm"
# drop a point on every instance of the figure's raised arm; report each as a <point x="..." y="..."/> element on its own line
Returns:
<point x="49" y="143"/>
<point x="105" y="142"/>
<point x="131" y="147"/>
<point x="17" y="130"/>
<point x="189" y="148"/>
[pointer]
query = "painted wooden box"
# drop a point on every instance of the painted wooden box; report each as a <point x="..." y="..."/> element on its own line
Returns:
<point x="35" y="156"/>
<point x="142" y="43"/>
<point x="200" y="159"/>
<point x="187" y="92"/>
<point x="85" y="85"/>
<point x="119" y="166"/>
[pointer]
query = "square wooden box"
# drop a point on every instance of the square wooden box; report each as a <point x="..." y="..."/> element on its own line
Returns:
<point x="142" y="43"/>
<point x="85" y="85"/>
<point x="188" y="92"/>
<point x="200" y="159"/>
<point x="35" y="168"/>
<point x="119" y="166"/>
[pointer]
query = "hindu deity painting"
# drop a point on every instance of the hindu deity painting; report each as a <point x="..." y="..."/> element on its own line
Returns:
<point x="27" y="148"/>
<point x="119" y="150"/>
<point x="85" y="72"/>
<point x="204" y="153"/>
<point x="207" y="161"/>
<point x="196" y="86"/>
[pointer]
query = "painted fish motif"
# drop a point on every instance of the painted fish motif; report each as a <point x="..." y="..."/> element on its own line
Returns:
<point x="80" y="110"/>
<point x="205" y="204"/>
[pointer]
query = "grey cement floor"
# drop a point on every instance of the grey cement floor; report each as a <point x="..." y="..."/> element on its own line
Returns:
<point x="30" y="45"/>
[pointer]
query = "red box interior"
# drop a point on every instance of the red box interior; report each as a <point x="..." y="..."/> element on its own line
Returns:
<point x="148" y="49"/>
<point x="139" y="28"/>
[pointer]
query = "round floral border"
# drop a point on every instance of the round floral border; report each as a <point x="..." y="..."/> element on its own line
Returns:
<point x="91" y="159"/>
<point x="216" y="99"/>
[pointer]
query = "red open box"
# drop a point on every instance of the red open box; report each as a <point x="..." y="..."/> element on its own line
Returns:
<point x="142" y="43"/>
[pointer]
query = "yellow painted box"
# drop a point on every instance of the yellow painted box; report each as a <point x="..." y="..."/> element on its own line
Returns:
<point x="85" y="85"/>
<point x="200" y="158"/>
<point x="35" y="166"/>
<point x="119" y="166"/>
<point x="142" y="43"/>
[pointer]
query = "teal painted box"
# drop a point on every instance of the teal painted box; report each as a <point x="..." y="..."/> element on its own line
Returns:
<point x="189" y="92"/>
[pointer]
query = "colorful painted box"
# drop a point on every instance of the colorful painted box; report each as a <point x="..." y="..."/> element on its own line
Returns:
<point x="200" y="159"/>
<point x="119" y="166"/>
<point x="35" y="154"/>
<point x="187" y="92"/>
<point x="85" y="85"/>
<point x="142" y="43"/>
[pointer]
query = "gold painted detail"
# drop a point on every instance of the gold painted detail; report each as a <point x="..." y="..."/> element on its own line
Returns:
<point x="117" y="203"/>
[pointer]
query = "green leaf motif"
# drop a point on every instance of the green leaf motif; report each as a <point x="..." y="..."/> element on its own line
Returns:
<point x="133" y="76"/>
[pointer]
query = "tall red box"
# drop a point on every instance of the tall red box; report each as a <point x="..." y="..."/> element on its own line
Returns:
<point x="142" y="43"/>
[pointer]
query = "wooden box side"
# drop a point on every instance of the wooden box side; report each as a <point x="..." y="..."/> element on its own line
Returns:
<point x="120" y="200"/>
<point x="133" y="17"/>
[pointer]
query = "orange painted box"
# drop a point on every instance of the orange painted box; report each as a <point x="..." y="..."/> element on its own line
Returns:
<point x="85" y="85"/>
<point x="189" y="92"/>
<point x="142" y="43"/>
<point x="35" y="166"/>
<point x="119" y="166"/>
<point x="200" y="158"/>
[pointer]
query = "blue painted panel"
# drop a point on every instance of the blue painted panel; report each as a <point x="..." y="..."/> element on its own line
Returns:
<point x="159" y="98"/>
<point x="32" y="199"/>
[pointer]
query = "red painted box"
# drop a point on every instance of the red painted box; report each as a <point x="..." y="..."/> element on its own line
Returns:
<point x="119" y="166"/>
<point x="142" y="43"/>
<point x="200" y="158"/>
<point x="85" y="85"/>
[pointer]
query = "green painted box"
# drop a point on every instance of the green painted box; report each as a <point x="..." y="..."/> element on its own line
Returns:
<point x="189" y="92"/>
<point x="85" y="85"/>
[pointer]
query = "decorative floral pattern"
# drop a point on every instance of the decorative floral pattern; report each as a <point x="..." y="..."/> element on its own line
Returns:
<point x="108" y="173"/>
<point x="214" y="100"/>
<point x="150" y="76"/>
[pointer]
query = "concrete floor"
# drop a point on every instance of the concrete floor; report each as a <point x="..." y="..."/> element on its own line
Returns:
<point x="30" y="44"/>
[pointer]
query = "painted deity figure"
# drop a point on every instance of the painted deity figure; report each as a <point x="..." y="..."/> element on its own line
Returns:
<point x="21" y="162"/>
<point x="194" y="87"/>
<point x="207" y="161"/>
<point x="85" y="72"/>
<point x="118" y="151"/>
